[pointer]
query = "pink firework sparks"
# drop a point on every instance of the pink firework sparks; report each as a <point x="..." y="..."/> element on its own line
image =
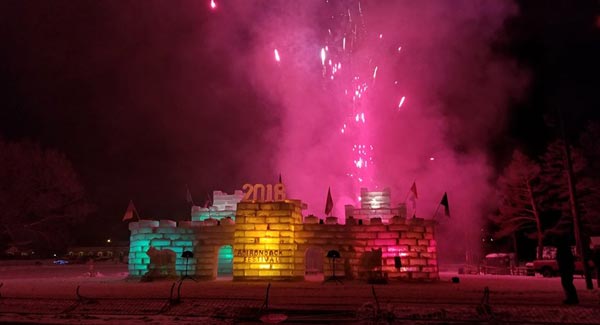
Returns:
<point x="349" y="42"/>
<point x="213" y="5"/>
<point x="401" y="101"/>
<point x="277" y="58"/>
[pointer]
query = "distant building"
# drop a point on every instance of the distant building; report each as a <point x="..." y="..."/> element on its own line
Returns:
<point x="118" y="252"/>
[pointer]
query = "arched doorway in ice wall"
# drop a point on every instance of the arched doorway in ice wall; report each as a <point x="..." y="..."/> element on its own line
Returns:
<point x="225" y="262"/>
<point x="313" y="268"/>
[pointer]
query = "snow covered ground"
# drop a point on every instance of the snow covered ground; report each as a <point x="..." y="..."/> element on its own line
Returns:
<point x="47" y="293"/>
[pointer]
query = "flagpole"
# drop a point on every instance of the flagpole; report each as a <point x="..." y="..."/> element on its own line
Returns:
<point x="135" y="210"/>
<point x="190" y="195"/>
<point x="409" y="190"/>
<point x="436" y="211"/>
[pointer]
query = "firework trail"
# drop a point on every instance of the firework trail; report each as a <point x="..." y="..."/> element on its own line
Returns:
<point x="350" y="62"/>
<point x="349" y="44"/>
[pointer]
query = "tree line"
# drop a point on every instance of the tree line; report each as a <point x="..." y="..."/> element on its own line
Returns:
<point x="41" y="198"/>
<point x="533" y="192"/>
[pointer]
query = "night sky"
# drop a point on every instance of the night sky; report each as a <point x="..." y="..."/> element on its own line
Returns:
<point x="145" y="97"/>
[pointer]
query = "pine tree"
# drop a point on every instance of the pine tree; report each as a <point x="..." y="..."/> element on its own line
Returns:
<point x="553" y="180"/>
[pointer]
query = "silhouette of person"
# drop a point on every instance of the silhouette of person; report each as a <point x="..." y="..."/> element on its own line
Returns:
<point x="596" y="260"/>
<point x="566" y="267"/>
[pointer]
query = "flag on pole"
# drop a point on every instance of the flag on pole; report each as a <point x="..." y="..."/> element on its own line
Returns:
<point x="329" y="204"/>
<point x="130" y="211"/>
<point x="208" y="201"/>
<point x="413" y="189"/>
<point x="280" y="182"/>
<point x="444" y="202"/>
<point x="189" y="196"/>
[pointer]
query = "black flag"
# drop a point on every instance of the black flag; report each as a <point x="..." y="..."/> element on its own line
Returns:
<point x="444" y="202"/>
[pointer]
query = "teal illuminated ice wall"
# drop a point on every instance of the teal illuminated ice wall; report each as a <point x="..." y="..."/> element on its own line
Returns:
<point x="158" y="246"/>
<point x="163" y="235"/>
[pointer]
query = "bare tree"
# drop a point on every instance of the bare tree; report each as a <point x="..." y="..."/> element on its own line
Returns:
<point x="40" y="196"/>
<point x="518" y="207"/>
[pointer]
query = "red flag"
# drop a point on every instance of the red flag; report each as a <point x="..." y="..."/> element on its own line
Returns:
<point x="329" y="204"/>
<point x="413" y="189"/>
<point x="444" y="202"/>
<point x="130" y="211"/>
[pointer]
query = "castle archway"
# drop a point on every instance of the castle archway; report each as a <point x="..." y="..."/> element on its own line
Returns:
<point x="313" y="267"/>
<point x="225" y="261"/>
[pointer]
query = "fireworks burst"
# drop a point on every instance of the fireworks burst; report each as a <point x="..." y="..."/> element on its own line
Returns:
<point x="346" y="35"/>
<point x="351" y="59"/>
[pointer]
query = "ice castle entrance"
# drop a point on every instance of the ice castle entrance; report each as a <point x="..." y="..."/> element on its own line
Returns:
<point x="225" y="261"/>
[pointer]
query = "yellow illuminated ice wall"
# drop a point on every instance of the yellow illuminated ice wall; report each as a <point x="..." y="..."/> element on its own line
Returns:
<point x="264" y="243"/>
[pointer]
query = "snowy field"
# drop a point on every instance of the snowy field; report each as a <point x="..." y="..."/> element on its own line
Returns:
<point x="47" y="293"/>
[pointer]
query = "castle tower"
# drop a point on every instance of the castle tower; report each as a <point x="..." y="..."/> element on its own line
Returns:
<point x="264" y="245"/>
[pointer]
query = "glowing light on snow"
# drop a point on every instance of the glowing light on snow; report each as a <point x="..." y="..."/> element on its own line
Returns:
<point x="375" y="73"/>
<point x="431" y="158"/>
<point x="323" y="56"/>
<point x="213" y="5"/>
<point x="277" y="58"/>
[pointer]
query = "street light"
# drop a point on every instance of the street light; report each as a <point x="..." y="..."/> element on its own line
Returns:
<point x="333" y="255"/>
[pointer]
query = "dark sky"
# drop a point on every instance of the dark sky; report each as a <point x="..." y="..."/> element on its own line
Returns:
<point x="148" y="96"/>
